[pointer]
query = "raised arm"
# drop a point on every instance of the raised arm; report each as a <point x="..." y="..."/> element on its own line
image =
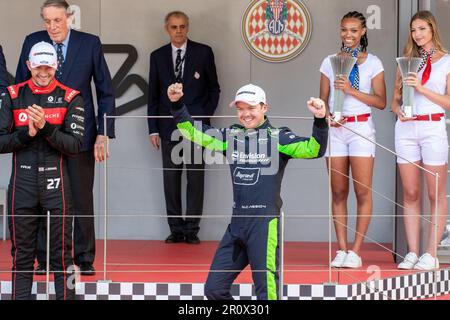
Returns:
<point x="206" y="136"/>
<point x="312" y="147"/>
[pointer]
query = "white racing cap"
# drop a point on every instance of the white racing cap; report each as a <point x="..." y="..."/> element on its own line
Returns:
<point x="43" y="54"/>
<point x="250" y="94"/>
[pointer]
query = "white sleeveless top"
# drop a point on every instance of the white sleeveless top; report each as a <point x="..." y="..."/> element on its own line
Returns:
<point x="437" y="83"/>
<point x="367" y="71"/>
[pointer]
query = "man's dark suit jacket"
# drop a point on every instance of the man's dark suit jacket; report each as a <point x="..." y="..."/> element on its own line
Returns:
<point x="84" y="61"/>
<point x="200" y="86"/>
<point x="3" y="74"/>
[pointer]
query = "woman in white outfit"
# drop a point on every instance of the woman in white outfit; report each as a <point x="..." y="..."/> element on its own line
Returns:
<point x="422" y="139"/>
<point x="365" y="89"/>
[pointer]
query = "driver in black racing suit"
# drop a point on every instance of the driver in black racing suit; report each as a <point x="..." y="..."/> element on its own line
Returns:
<point x="41" y="122"/>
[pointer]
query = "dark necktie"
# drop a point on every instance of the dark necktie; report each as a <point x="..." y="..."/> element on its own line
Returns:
<point x="178" y="67"/>
<point x="60" y="56"/>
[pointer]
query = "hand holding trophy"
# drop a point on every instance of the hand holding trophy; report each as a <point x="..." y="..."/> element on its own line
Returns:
<point x="407" y="66"/>
<point x="342" y="65"/>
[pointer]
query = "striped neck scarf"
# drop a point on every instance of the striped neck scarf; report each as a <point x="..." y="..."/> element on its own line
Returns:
<point x="354" y="75"/>
<point x="426" y="62"/>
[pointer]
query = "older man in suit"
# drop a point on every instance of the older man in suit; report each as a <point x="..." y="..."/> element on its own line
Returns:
<point x="80" y="60"/>
<point x="192" y="64"/>
<point x="3" y="74"/>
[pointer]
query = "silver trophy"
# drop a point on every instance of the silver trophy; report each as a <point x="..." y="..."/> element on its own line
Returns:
<point x="407" y="66"/>
<point x="342" y="65"/>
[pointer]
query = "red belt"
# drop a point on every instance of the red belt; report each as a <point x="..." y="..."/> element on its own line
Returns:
<point x="358" y="118"/>
<point x="429" y="117"/>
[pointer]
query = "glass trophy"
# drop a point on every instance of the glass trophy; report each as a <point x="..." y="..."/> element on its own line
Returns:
<point x="342" y="65"/>
<point x="407" y="66"/>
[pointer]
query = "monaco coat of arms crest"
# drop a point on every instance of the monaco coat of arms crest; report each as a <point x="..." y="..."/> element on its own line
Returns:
<point x="276" y="30"/>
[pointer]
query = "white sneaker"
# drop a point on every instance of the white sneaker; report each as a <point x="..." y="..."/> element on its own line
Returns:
<point x="408" y="263"/>
<point x="446" y="241"/>
<point x="352" y="260"/>
<point x="446" y="236"/>
<point x="427" y="262"/>
<point x="339" y="259"/>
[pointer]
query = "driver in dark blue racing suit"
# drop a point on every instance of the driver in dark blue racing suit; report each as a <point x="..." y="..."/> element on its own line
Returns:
<point x="257" y="154"/>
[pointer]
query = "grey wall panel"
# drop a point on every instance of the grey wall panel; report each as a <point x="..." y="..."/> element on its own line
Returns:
<point x="135" y="176"/>
<point x="441" y="10"/>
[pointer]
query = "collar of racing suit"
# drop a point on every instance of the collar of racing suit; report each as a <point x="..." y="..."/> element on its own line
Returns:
<point x="265" y="124"/>
<point x="42" y="90"/>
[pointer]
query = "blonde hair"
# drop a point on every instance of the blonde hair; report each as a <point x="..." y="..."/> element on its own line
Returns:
<point x="411" y="48"/>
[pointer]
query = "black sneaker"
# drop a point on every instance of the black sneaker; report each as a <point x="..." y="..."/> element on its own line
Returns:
<point x="41" y="269"/>
<point x="86" y="269"/>
<point x="192" y="239"/>
<point x="175" y="238"/>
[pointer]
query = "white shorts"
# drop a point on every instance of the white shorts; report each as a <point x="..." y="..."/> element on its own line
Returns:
<point x="345" y="143"/>
<point x="422" y="140"/>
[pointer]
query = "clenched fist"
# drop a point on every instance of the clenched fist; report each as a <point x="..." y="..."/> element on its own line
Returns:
<point x="317" y="107"/>
<point x="175" y="92"/>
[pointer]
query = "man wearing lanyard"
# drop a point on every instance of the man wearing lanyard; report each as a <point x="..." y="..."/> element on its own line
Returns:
<point x="191" y="63"/>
